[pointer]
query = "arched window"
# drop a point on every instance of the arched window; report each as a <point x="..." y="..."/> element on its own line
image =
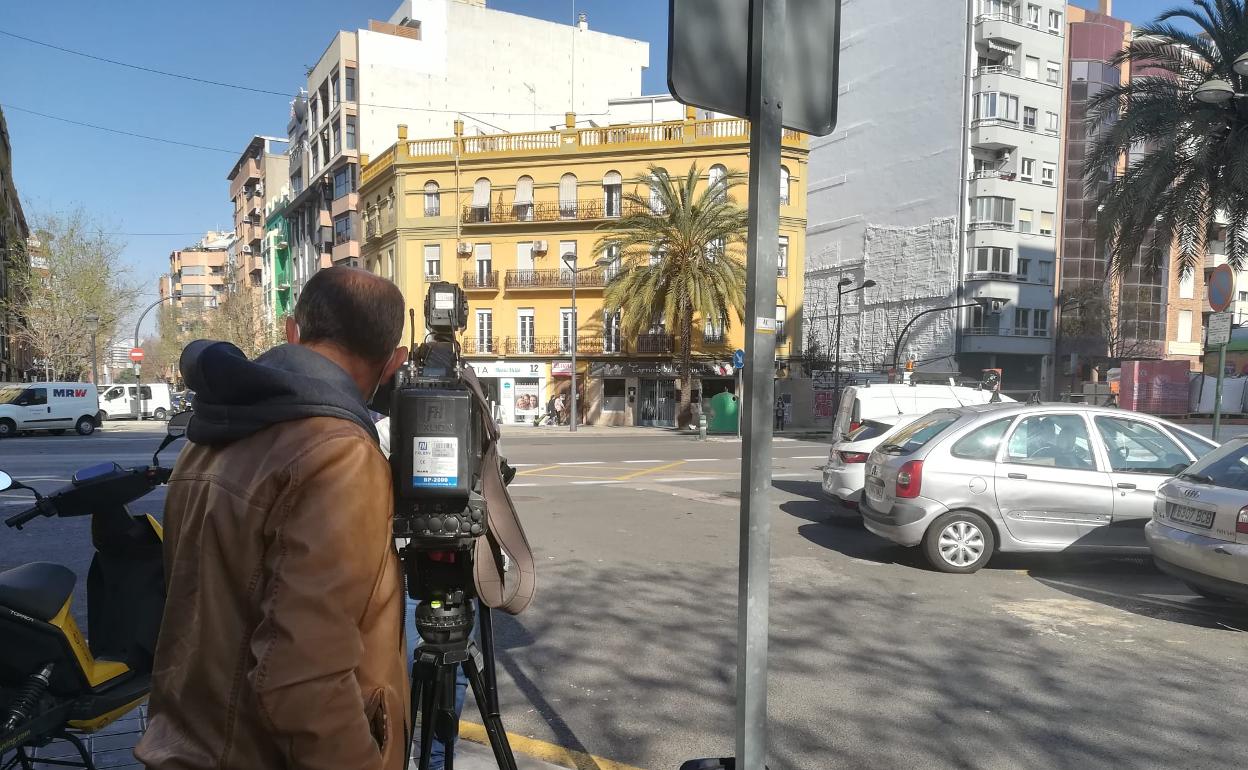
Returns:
<point x="522" y="205"/>
<point x="656" y="200"/>
<point x="567" y="196"/>
<point x="715" y="177"/>
<point x="433" y="200"/>
<point x="612" y="192"/>
<point x="784" y="186"/>
<point x="480" y="201"/>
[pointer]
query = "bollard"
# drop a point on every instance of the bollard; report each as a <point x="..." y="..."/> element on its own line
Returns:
<point x="701" y="427"/>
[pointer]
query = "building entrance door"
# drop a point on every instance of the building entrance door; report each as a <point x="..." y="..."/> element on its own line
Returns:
<point x="656" y="403"/>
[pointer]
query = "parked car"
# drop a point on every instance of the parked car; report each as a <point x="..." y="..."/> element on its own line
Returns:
<point x="965" y="483"/>
<point x="860" y="403"/>
<point x="1199" y="530"/>
<point x="845" y="473"/>
<point x="122" y="402"/>
<point x="52" y="406"/>
<point x="181" y="401"/>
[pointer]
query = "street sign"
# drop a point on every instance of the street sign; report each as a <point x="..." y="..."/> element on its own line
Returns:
<point x="708" y="59"/>
<point x="136" y="355"/>
<point x="1219" y="329"/>
<point x="1221" y="288"/>
<point x="738" y="359"/>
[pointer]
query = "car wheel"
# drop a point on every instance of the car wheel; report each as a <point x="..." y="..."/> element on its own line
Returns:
<point x="959" y="542"/>
<point x="57" y="432"/>
<point x="8" y="428"/>
<point x="160" y="414"/>
<point x="1206" y="593"/>
<point x="85" y="426"/>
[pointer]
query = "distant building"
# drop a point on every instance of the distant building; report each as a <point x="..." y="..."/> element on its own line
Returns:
<point x="200" y="272"/>
<point x="431" y="63"/>
<point x="14" y="362"/>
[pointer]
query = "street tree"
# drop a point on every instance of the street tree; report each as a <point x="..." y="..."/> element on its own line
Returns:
<point x="679" y="258"/>
<point x="239" y="318"/>
<point x="74" y="271"/>
<point x="1188" y="158"/>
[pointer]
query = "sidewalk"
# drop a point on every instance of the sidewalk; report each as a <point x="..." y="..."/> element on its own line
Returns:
<point x="601" y="431"/>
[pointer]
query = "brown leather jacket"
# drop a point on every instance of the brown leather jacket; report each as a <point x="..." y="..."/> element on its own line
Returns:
<point x="282" y="642"/>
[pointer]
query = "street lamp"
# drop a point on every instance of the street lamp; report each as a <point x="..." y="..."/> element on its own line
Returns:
<point x="841" y="291"/>
<point x="1215" y="91"/>
<point x="569" y="260"/>
<point x="174" y="296"/>
<point x="93" y="326"/>
<point x="1240" y="66"/>
<point x="901" y="337"/>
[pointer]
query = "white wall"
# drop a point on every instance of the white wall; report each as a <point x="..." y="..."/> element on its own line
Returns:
<point x="472" y="57"/>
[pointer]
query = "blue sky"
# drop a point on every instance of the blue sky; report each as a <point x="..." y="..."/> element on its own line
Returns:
<point x="135" y="186"/>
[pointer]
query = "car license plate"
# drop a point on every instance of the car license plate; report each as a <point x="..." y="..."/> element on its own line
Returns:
<point x="1185" y="514"/>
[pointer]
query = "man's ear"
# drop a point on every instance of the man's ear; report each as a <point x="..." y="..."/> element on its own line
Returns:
<point x="292" y="330"/>
<point x="396" y="360"/>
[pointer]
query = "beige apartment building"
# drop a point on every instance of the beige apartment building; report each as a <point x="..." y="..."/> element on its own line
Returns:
<point x="262" y="169"/>
<point x="199" y="272"/>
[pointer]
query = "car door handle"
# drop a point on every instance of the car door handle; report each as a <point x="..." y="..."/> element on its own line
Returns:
<point x="1125" y="485"/>
<point x="1017" y="475"/>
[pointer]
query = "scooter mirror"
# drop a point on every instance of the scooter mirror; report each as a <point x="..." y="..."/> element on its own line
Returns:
<point x="6" y="481"/>
<point x="176" y="427"/>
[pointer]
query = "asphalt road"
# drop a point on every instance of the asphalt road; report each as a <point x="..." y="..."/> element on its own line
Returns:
<point x="876" y="661"/>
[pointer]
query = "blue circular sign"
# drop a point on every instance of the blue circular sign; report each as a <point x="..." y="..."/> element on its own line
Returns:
<point x="738" y="359"/>
<point x="1221" y="288"/>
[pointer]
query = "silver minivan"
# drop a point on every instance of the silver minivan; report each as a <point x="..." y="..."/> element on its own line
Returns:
<point x="965" y="483"/>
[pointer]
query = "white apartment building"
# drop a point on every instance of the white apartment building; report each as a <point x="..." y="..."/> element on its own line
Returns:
<point x="941" y="185"/>
<point x="431" y="63"/>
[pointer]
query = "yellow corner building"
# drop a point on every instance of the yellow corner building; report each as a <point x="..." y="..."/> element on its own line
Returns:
<point x="497" y="213"/>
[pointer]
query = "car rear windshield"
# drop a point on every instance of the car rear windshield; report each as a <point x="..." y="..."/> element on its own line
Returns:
<point x="869" y="430"/>
<point x="917" y="434"/>
<point x="1226" y="467"/>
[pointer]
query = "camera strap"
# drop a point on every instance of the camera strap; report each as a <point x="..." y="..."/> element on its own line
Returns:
<point x="508" y="590"/>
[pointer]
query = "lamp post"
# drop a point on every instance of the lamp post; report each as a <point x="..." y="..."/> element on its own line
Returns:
<point x="1220" y="91"/>
<point x="174" y="295"/>
<point x="901" y="337"/>
<point x="93" y="326"/>
<point x="841" y="291"/>
<point x="569" y="260"/>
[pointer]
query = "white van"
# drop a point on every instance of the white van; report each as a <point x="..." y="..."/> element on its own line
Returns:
<point x="121" y="402"/>
<point x="867" y="402"/>
<point x="50" y="406"/>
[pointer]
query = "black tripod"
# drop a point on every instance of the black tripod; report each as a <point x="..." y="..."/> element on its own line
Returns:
<point x="433" y="688"/>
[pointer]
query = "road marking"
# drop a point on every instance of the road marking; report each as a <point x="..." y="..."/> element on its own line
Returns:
<point x="806" y="457"/>
<point x="546" y="752"/>
<point x="644" y="471"/>
<point x="586" y="462"/>
<point x="706" y="460"/>
<point x="1175" y="605"/>
<point x="650" y="462"/>
<point x="598" y="481"/>
<point x="679" y="479"/>
<point x="513" y="486"/>
<point x="535" y="470"/>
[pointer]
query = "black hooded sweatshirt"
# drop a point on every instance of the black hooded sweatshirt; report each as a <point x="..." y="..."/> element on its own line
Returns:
<point x="235" y="397"/>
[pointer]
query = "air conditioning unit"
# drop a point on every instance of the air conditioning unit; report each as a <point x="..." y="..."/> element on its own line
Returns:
<point x="463" y="249"/>
<point x="246" y="249"/>
<point x="540" y="247"/>
<point x="260" y="189"/>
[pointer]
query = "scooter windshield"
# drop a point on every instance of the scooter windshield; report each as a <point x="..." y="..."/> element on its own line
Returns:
<point x="94" y="472"/>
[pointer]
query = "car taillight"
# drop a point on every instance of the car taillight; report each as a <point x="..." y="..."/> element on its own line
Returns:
<point x="1241" y="521"/>
<point x="853" y="457"/>
<point x="910" y="479"/>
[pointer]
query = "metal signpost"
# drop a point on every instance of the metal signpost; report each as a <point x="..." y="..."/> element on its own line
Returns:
<point x="1221" y="289"/>
<point x="738" y="364"/>
<point x="775" y="63"/>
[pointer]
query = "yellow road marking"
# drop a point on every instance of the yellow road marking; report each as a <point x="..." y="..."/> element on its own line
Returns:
<point x="645" y="471"/>
<point x="547" y="752"/>
<point x="531" y="471"/>
<point x="570" y="476"/>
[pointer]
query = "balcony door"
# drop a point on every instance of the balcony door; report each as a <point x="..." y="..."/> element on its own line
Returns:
<point x="567" y="330"/>
<point x="485" y="264"/>
<point x="525" y="330"/>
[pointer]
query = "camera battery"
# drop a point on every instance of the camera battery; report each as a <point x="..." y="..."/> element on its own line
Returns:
<point x="432" y="432"/>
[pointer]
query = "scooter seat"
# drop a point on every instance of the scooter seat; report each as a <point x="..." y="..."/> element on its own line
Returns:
<point x="39" y="589"/>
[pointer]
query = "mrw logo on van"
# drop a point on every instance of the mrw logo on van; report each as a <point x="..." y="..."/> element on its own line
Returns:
<point x="69" y="392"/>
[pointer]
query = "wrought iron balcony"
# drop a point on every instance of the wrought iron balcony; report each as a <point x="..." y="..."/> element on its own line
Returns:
<point x="654" y="343"/>
<point x="473" y="345"/>
<point x="532" y="346"/>
<point x="555" y="279"/>
<point x="579" y="210"/>
<point x="478" y="281"/>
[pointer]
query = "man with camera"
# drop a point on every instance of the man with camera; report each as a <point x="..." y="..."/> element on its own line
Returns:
<point x="282" y="642"/>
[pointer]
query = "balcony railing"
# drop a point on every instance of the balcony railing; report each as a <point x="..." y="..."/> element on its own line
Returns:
<point x="479" y="280"/>
<point x="715" y="338"/>
<point x="992" y="174"/>
<point x="531" y="346"/>
<point x="982" y="331"/>
<point x="555" y="279"/>
<point x="472" y="346"/>
<point x="996" y="69"/>
<point x="571" y="211"/>
<point x="654" y="343"/>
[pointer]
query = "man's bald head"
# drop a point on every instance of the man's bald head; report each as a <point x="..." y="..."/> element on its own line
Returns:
<point x="352" y="309"/>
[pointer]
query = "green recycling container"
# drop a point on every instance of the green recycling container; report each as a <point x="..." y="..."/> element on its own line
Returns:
<point x="724" y="414"/>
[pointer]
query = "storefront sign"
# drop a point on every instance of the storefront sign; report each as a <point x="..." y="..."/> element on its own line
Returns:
<point x="507" y="368"/>
<point x="658" y="369"/>
<point x="561" y="369"/>
<point x="528" y="400"/>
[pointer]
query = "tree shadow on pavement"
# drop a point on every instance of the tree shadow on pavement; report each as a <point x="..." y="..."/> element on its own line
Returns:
<point x="637" y="662"/>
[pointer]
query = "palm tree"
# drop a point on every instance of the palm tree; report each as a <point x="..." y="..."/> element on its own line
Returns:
<point x="675" y="260"/>
<point x="1194" y="165"/>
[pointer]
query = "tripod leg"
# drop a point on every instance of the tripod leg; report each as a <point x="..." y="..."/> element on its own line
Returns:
<point x="489" y="674"/>
<point x="491" y="717"/>
<point x="448" y="720"/>
<point x="428" y="705"/>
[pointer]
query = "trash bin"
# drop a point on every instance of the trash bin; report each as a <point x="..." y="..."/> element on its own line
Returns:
<point x="724" y="414"/>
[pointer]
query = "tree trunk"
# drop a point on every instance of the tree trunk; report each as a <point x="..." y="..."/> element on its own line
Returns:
<point x="684" y="416"/>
